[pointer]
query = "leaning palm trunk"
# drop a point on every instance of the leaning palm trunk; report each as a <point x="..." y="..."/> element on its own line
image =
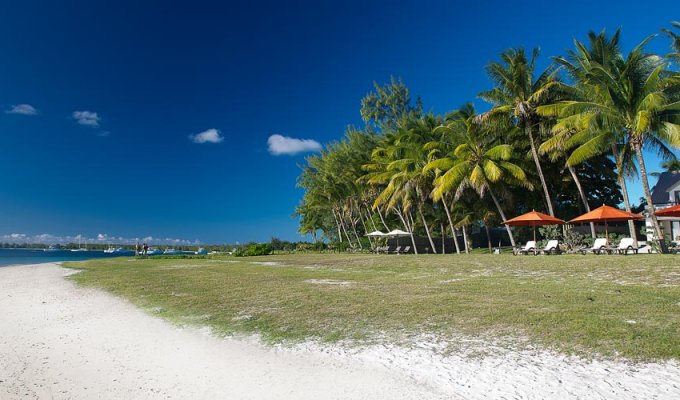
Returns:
<point x="453" y="229"/>
<point x="465" y="239"/>
<point x="502" y="214"/>
<point x="427" y="230"/>
<point x="344" y="228"/>
<point x="584" y="199"/>
<point x="382" y="219"/>
<point x="534" y="153"/>
<point x="363" y="223"/>
<point x="648" y="196"/>
<point x="337" y="223"/>
<point x="488" y="237"/>
<point x="408" y="228"/>
<point x="624" y="190"/>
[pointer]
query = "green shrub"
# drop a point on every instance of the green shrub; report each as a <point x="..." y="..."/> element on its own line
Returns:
<point x="254" y="249"/>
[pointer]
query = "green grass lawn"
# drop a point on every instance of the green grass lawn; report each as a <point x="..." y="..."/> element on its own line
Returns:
<point x="588" y="305"/>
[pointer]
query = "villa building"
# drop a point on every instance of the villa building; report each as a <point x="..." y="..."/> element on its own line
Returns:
<point x="666" y="193"/>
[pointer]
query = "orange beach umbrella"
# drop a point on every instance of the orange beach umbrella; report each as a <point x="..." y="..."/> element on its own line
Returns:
<point x="606" y="214"/>
<point x="533" y="219"/>
<point x="669" y="212"/>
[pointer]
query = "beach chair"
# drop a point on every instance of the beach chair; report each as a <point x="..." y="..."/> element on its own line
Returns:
<point x="599" y="246"/>
<point x="529" y="247"/>
<point x="553" y="247"/>
<point x="406" y="249"/>
<point x="397" y="250"/>
<point x="625" y="246"/>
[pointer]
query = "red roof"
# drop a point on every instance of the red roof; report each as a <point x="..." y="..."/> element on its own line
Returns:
<point x="669" y="212"/>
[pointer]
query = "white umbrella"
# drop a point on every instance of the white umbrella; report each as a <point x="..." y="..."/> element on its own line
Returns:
<point x="375" y="234"/>
<point x="397" y="233"/>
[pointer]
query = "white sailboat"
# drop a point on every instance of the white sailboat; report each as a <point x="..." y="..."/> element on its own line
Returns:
<point x="80" y="248"/>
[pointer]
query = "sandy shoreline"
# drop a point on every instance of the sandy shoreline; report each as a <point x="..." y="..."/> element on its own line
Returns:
<point x="64" y="342"/>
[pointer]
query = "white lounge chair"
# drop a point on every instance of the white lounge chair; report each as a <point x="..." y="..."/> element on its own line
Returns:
<point x="553" y="247"/>
<point x="625" y="246"/>
<point x="529" y="247"/>
<point x="599" y="246"/>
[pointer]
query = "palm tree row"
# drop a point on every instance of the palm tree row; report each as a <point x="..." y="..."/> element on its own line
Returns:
<point x="555" y="133"/>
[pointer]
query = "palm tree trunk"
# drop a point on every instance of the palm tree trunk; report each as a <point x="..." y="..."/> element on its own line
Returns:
<point x="406" y="226"/>
<point x="453" y="229"/>
<point x="353" y="221"/>
<point x="443" y="238"/>
<point x="500" y="211"/>
<point x="534" y="153"/>
<point x="412" y="228"/>
<point x="382" y="219"/>
<point x="369" y="216"/>
<point x="344" y="228"/>
<point x="363" y="223"/>
<point x="465" y="239"/>
<point x="488" y="237"/>
<point x="648" y="196"/>
<point x="338" y="225"/>
<point x="624" y="191"/>
<point x="427" y="230"/>
<point x="584" y="199"/>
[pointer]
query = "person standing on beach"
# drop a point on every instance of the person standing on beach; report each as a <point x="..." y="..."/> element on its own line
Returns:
<point x="146" y="248"/>
<point x="137" y="249"/>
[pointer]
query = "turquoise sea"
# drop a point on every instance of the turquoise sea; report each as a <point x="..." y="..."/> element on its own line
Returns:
<point x="35" y="256"/>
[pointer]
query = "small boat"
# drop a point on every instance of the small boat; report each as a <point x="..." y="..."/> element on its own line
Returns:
<point x="171" y="252"/>
<point x="53" y="248"/>
<point x="201" y="251"/>
<point x="117" y="250"/>
<point x="80" y="248"/>
<point x="152" y="251"/>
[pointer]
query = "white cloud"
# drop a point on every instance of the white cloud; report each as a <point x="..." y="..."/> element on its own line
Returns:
<point x="287" y="145"/>
<point x="47" y="238"/>
<point x="87" y="118"/>
<point x="103" y="133"/>
<point x="209" y="136"/>
<point x="23" y="109"/>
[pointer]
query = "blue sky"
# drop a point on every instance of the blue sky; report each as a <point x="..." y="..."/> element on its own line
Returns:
<point x="122" y="91"/>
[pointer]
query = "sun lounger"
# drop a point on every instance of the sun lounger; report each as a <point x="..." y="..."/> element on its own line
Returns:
<point x="529" y="247"/>
<point x="553" y="247"/>
<point x="599" y="246"/>
<point x="625" y="246"/>
<point x="397" y="250"/>
<point x="406" y="249"/>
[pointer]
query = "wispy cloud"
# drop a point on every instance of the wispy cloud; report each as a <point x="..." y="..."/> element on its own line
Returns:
<point x="87" y="118"/>
<point x="279" y="145"/>
<point x="48" y="238"/>
<point x="23" y="109"/>
<point x="209" y="136"/>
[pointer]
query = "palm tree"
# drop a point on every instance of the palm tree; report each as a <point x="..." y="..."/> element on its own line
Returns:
<point x="478" y="162"/>
<point x="518" y="93"/>
<point x="578" y="131"/>
<point x="635" y="100"/>
<point x="675" y="41"/>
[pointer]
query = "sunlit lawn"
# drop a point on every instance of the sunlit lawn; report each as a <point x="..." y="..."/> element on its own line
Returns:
<point x="592" y="305"/>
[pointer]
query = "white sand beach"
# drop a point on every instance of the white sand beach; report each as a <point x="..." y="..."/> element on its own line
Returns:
<point x="60" y="341"/>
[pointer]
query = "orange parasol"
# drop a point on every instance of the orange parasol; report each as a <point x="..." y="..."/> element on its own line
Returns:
<point x="606" y="214"/>
<point x="533" y="219"/>
<point x="669" y="212"/>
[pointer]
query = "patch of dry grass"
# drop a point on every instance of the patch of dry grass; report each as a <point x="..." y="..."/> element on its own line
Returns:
<point x="607" y="305"/>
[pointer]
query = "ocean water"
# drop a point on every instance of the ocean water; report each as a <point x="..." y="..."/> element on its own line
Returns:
<point x="35" y="256"/>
